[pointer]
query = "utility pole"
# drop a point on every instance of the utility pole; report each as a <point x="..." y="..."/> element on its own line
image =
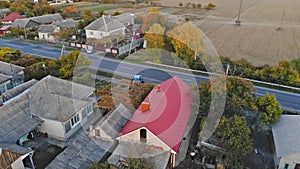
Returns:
<point x="238" y="22"/>
<point x="62" y="49"/>
<point x="25" y="33"/>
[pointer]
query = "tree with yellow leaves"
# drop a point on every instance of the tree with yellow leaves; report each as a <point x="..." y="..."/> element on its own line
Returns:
<point x="187" y="41"/>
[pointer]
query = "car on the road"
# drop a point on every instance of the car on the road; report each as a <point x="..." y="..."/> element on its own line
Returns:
<point x="137" y="79"/>
<point x="89" y="50"/>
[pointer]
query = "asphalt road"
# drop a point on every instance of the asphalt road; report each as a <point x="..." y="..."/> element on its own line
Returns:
<point x="289" y="101"/>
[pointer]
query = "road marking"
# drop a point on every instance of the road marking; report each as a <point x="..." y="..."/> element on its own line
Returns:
<point x="18" y="46"/>
<point x="54" y="53"/>
<point x="129" y="68"/>
<point x="259" y="94"/>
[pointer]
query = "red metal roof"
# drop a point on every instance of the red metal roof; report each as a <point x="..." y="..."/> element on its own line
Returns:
<point x="12" y="17"/>
<point x="168" y="115"/>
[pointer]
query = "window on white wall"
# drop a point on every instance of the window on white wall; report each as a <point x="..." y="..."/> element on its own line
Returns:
<point x="89" y="109"/>
<point x="91" y="33"/>
<point x="75" y="120"/>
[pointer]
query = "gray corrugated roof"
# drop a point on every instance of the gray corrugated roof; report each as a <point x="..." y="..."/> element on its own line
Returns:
<point x="286" y="135"/>
<point x="113" y="123"/>
<point x="105" y="23"/>
<point x="3" y="11"/>
<point x="44" y="19"/>
<point x="125" y="18"/>
<point x="47" y="28"/>
<point x="67" y="23"/>
<point x="15" y="148"/>
<point x="9" y="69"/>
<point x="15" y="120"/>
<point x="47" y="18"/>
<point x="9" y="94"/>
<point x="81" y="153"/>
<point x="57" y="99"/>
<point x="62" y="24"/>
<point x="4" y="78"/>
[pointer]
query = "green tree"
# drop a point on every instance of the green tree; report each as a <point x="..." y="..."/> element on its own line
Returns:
<point x="151" y="19"/>
<point x="69" y="61"/>
<point x="19" y="6"/>
<point x="87" y="14"/>
<point x="295" y="64"/>
<point x="100" y="13"/>
<point x="235" y="139"/>
<point x="36" y="71"/>
<point x="187" y="42"/>
<point x="4" y="4"/>
<point x="155" y="36"/>
<point x="282" y="74"/>
<point x="211" y="5"/>
<point x="269" y="110"/>
<point x="240" y="96"/>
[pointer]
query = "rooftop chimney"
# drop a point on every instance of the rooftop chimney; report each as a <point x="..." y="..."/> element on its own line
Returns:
<point x="145" y="106"/>
<point x="158" y="88"/>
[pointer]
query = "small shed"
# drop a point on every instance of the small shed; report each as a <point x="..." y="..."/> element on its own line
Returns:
<point x="4" y="30"/>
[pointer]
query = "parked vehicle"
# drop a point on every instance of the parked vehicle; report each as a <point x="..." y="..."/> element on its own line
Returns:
<point x="137" y="79"/>
<point x="89" y="50"/>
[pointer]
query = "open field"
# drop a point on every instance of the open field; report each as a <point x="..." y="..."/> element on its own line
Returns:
<point x="259" y="39"/>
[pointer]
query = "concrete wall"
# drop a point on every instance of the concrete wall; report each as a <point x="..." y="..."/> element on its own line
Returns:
<point x="292" y="160"/>
<point x="54" y="129"/>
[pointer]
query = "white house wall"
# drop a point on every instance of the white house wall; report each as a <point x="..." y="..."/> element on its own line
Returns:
<point x="53" y="128"/>
<point x="46" y="37"/>
<point x="292" y="160"/>
<point x="83" y="120"/>
<point x="151" y="139"/>
<point x="93" y="34"/>
<point x="18" y="164"/>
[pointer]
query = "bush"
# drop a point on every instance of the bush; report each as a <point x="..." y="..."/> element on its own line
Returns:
<point x="154" y="10"/>
<point x="211" y="5"/>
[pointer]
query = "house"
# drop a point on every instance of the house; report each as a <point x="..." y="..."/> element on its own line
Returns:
<point x="63" y="106"/>
<point x="47" y="32"/>
<point x="16" y="121"/>
<point x="61" y="1"/>
<point x="4" y="12"/>
<point x="94" y="145"/>
<point x="10" y="76"/>
<point x="12" y="93"/>
<point x="4" y="30"/>
<point x="82" y="152"/>
<point x="161" y="120"/>
<point x="12" y="156"/>
<point x="9" y="19"/>
<point x="125" y="151"/>
<point x="16" y="127"/>
<point x="110" y="126"/>
<point x="5" y="83"/>
<point x="286" y="135"/>
<point x="104" y="26"/>
<point x="36" y="21"/>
